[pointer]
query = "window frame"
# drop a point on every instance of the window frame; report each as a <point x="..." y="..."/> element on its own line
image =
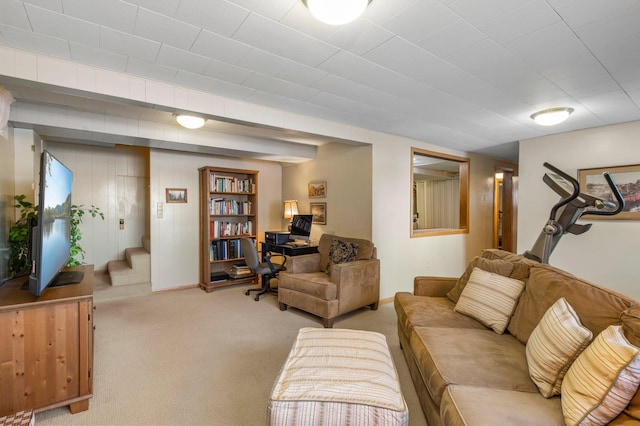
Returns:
<point x="464" y="168"/>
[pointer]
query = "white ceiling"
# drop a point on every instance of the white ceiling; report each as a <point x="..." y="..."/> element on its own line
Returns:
<point x="465" y="74"/>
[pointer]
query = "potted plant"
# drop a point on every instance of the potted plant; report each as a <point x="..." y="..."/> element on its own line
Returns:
<point x="19" y="234"/>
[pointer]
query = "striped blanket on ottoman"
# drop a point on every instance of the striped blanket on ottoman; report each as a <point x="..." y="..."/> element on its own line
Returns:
<point x="338" y="377"/>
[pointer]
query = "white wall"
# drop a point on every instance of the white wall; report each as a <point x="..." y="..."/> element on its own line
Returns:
<point x="608" y="253"/>
<point x="347" y="169"/>
<point x="403" y="257"/>
<point x="175" y="257"/>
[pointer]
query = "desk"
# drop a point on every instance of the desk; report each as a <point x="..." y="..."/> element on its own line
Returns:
<point x="289" y="249"/>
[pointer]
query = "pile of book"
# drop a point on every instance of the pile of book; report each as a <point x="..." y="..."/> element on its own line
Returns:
<point x="240" y="271"/>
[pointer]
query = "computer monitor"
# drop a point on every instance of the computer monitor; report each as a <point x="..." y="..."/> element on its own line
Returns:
<point x="301" y="227"/>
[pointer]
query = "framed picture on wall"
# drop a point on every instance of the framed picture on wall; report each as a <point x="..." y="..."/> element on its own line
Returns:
<point x="318" y="189"/>
<point x="626" y="178"/>
<point x="319" y="212"/>
<point x="176" y="195"/>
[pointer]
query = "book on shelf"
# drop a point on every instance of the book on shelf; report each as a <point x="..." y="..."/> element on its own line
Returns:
<point x="220" y="276"/>
<point x="240" y="271"/>
<point x="223" y="206"/>
<point x="220" y="183"/>
<point x="221" y="228"/>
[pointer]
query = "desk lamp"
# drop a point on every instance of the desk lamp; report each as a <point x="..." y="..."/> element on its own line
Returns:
<point x="290" y="209"/>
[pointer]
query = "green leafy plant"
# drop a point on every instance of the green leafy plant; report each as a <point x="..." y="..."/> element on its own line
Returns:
<point x="76" y="219"/>
<point x="19" y="234"/>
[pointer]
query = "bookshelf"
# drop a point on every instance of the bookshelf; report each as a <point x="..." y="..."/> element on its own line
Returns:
<point x="228" y="212"/>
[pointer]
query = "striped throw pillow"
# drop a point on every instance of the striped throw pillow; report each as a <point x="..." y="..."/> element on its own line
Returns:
<point x="553" y="346"/>
<point x="490" y="298"/>
<point x="602" y="380"/>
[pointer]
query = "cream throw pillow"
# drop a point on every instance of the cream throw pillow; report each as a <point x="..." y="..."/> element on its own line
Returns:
<point x="490" y="298"/>
<point x="602" y="380"/>
<point x="553" y="346"/>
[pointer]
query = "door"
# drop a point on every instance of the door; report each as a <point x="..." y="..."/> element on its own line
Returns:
<point x="505" y="210"/>
<point x="132" y="212"/>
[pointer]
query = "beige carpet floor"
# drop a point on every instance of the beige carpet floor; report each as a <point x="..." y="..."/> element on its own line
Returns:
<point x="193" y="358"/>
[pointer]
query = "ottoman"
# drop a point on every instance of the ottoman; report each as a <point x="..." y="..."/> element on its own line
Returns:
<point x="21" y="418"/>
<point x="338" y="377"/>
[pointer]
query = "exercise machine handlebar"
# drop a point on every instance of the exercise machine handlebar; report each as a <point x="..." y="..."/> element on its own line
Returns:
<point x="567" y="199"/>
<point x="571" y="207"/>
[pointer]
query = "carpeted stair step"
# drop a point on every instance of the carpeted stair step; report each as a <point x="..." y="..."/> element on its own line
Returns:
<point x="135" y="269"/>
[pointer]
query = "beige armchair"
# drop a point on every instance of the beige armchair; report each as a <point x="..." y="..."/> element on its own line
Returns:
<point x="313" y="284"/>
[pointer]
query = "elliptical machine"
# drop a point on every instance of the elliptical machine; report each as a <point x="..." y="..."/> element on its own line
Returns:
<point x="568" y="210"/>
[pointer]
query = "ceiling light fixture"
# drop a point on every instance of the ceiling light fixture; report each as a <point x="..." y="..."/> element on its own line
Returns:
<point x="336" y="12"/>
<point x="190" y="121"/>
<point x="551" y="116"/>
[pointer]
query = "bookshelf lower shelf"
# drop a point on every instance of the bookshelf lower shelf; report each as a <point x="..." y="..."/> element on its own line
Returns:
<point x="209" y="287"/>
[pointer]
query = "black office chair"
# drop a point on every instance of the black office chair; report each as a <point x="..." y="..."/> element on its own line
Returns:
<point x="266" y="269"/>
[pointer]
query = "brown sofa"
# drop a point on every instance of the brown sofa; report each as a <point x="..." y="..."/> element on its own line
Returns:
<point x="310" y="284"/>
<point x="467" y="374"/>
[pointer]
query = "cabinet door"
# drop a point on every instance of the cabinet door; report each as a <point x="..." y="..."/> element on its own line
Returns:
<point x="41" y="363"/>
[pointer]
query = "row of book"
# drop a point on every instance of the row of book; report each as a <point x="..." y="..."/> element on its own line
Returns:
<point x="225" y="250"/>
<point x="220" y="228"/>
<point x="222" y="206"/>
<point x="218" y="183"/>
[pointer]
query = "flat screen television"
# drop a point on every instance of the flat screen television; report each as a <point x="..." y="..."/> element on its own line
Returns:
<point x="301" y="227"/>
<point x="51" y="235"/>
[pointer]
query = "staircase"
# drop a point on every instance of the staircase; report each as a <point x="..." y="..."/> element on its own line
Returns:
<point x="135" y="269"/>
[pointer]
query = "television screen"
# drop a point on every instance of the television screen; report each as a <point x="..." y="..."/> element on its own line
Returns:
<point x="51" y="237"/>
<point x="301" y="227"/>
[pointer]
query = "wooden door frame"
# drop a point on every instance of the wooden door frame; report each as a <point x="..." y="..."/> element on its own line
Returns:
<point x="509" y="208"/>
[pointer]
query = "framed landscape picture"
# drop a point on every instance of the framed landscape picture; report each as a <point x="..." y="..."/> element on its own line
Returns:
<point x="176" y="195"/>
<point x="319" y="212"/>
<point x="626" y="178"/>
<point x="317" y="189"/>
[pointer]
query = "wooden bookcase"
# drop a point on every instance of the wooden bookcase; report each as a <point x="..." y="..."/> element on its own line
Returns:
<point x="228" y="212"/>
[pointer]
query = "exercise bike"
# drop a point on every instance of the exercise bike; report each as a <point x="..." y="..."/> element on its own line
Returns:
<point x="571" y="207"/>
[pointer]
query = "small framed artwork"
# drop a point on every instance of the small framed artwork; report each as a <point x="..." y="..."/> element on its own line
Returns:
<point x="319" y="212"/>
<point x="176" y="195"/>
<point x="317" y="189"/>
<point x="626" y="178"/>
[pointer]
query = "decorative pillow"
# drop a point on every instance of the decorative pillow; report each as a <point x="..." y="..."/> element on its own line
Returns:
<point x="553" y="346"/>
<point x="602" y="380"/>
<point x="497" y="266"/>
<point x="341" y="252"/>
<point x="490" y="298"/>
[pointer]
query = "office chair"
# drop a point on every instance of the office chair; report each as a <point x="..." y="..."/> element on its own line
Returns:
<point x="266" y="269"/>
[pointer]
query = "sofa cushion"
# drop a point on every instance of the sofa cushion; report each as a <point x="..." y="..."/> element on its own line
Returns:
<point x="471" y="405"/>
<point x="596" y="307"/>
<point x="465" y="356"/>
<point x="366" y="248"/>
<point x="631" y="324"/>
<point x="499" y="267"/>
<point x="553" y="346"/>
<point x="341" y="252"/>
<point x="603" y="379"/>
<point x="631" y="327"/>
<point x="316" y="284"/>
<point x="490" y="298"/>
<point x="414" y="311"/>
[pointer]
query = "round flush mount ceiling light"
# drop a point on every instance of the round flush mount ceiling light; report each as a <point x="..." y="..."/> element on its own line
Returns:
<point x="551" y="116"/>
<point x="336" y="12"/>
<point x="190" y="121"/>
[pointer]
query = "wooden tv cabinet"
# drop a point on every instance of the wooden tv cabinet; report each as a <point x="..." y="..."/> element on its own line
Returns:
<point x="46" y="350"/>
